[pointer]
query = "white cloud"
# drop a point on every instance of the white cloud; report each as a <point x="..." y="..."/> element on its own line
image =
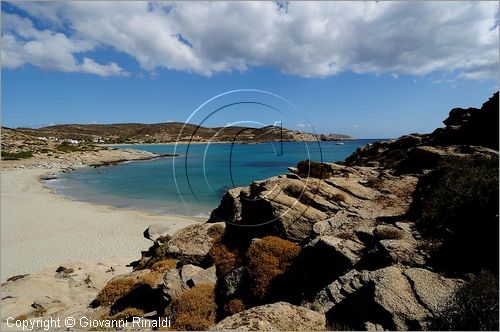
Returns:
<point x="310" y="39"/>
<point x="301" y="125"/>
<point x="23" y="43"/>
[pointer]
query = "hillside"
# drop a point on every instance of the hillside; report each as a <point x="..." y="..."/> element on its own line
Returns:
<point x="167" y="133"/>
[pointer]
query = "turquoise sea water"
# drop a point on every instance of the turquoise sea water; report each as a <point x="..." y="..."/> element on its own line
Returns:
<point x="192" y="183"/>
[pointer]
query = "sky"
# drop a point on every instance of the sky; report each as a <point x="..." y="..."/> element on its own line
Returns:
<point x="366" y="69"/>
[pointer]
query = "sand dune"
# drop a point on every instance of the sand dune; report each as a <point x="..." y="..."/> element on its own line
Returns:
<point x="40" y="228"/>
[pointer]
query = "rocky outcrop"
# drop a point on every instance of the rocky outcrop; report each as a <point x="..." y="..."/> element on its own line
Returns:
<point x="299" y="209"/>
<point x="279" y="316"/>
<point x="393" y="298"/>
<point x="191" y="245"/>
<point x="468" y="132"/>
<point x="158" y="233"/>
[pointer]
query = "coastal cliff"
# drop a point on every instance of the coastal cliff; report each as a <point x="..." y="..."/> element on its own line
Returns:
<point x="403" y="235"/>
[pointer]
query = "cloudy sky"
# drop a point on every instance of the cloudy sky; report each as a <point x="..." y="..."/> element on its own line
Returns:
<point x="370" y="69"/>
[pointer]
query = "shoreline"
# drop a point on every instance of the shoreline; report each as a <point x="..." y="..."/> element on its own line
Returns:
<point x="40" y="227"/>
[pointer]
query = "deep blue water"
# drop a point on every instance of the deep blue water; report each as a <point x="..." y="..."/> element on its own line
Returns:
<point x="202" y="174"/>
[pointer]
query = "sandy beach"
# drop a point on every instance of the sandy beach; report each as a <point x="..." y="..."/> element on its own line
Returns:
<point x="40" y="228"/>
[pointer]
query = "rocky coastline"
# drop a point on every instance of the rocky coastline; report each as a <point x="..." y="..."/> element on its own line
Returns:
<point x="394" y="238"/>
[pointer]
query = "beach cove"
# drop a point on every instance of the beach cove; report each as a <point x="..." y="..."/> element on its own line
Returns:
<point x="40" y="228"/>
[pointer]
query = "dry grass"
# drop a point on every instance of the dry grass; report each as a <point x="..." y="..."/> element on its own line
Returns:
<point x="268" y="258"/>
<point x="234" y="306"/>
<point x="153" y="279"/>
<point x="164" y="265"/>
<point x="223" y="258"/>
<point x="194" y="309"/>
<point x="339" y="197"/>
<point x="313" y="169"/>
<point x="115" y="290"/>
<point x="295" y="189"/>
<point x="388" y="233"/>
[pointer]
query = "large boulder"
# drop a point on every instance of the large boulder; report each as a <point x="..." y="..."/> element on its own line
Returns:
<point x="191" y="245"/>
<point x="346" y="251"/>
<point x="279" y="316"/>
<point x="394" y="297"/>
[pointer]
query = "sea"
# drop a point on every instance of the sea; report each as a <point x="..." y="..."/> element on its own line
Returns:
<point x="192" y="183"/>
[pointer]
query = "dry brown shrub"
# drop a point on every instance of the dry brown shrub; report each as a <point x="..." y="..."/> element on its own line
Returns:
<point x="127" y="314"/>
<point x="223" y="258"/>
<point x="234" y="306"/>
<point x="339" y="197"/>
<point x="115" y="289"/>
<point x="164" y="265"/>
<point x="268" y="258"/>
<point x="152" y="279"/>
<point x="388" y="233"/>
<point x="295" y="189"/>
<point x="194" y="309"/>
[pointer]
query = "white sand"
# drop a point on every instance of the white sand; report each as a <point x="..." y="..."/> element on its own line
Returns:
<point x="40" y="228"/>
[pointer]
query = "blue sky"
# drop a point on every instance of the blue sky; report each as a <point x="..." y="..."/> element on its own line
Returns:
<point x="60" y="66"/>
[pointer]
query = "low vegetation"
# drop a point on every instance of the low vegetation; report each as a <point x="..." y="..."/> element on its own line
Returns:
<point x="67" y="147"/>
<point x="269" y="258"/>
<point x="458" y="203"/>
<point x="194" y="309"/>
<point x="16" y="155"/>
<point x="474" y="306"/>
<point x="308" y="168"/>
<point x="164" y="265"/>
<point x="234" y="306"/>
<point x="223" y="258"/>
<point x="388" y="233"/>
<point x="128" y="314"/>
<point x="114" y="290"/>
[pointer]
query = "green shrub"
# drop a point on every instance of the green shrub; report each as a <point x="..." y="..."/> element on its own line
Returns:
<point x="16" y="155"/>
<point x="67" y="147"/>
<point x="473" y="307"/>
<point x="268" y="258"/>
